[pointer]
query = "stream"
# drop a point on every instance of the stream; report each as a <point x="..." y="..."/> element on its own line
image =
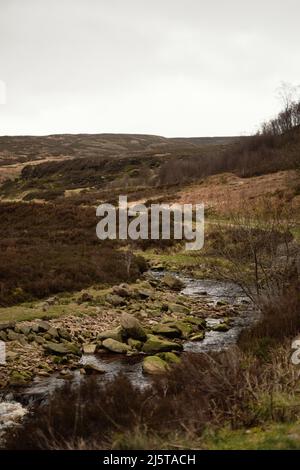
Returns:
<point x="14" y="406"/>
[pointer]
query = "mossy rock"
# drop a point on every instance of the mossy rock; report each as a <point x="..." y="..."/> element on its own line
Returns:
<point x="61" y="348"/>
<point x="20" y="377"/>
<point x="154" y="365"/>
<point x="166" y="330"/>
<point x="179" y="309"/>
<point x="199" y="322"/>
<point x="132" y="327"/>
<point x="221" y="327"/>
<point x="198" y="337"/>
<point x="169" y="357"/>
<point x="186" y="329"/>
<point x="115" y="333"/>
<point x="155" y="345"/>
<point x="135" y="343"/>
<point x="115" y="346"/>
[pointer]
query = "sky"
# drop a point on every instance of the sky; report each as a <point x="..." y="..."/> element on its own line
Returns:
<point x="165" y="67"/>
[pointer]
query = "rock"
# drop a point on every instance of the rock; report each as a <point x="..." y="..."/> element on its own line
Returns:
<point x="122" y="291"/>
<point x="20" y="377"/>
<point x="115" y="346"/>
<point x="11" y="356"/>
<point x="3" y="335"/>
<point x="155" y="345"/>
<point x="178" y="308"/>
<point x="186" y="329"/>
<point x="23" y="329"/>
<point x="6" y="325"/>
<point x="116" y="334"/>
<point x="172" y="282"/>
<point x="93" y="368"/>
<point x="12" y="336"/>
<point x="169" y="357"/>
<point x="39" y="339"/>
<point x="115" y="300"/>
<point x="43" y="326"/>
<point x="154" y="365"/>
<point x="53" y="332"/>
<point x="85" y="297"/>
<point x="144" y="294"/>
<point x="59" y="348"/>
<point x="51" y="300"/>
<point x="199" y="322"/>
<point x="221" y="303"/>
<point x="89" y="348"/>
<point x="166" y="330"/>
<point x="198" y="337"/>
<point x="158" y="267"/>
<point x="132" y="327"/>
<point x="135" y="343"/>
<point x="222" y="327"/>
<point x="63" y="333"/>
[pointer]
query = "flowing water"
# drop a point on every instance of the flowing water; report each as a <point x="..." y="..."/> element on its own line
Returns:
<point x="11" y="409"/>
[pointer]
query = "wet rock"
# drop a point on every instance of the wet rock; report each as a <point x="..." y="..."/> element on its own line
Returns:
<point x="198" y="337"/>
<point x="154" y="365"/>
<point x="132" y="327"/>
<point x="92" y="368"/>
<point x="186" y="329"/>
<point x="115" y="346"/>
<point x="172" y="282"/>
<point x="222" y="327"/>
<point x="166" y="330"/>
<point x="155" y="345"/>
<point x="170" y="357"/>
<point x="115" y="300"/>
<point x="89" y="348"/>
<point x="116" y="334"/>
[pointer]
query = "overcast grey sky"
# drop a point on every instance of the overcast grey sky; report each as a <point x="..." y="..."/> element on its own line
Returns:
<point x="168" y="67"/>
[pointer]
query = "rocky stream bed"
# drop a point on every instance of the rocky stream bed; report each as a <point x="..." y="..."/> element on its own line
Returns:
<point x="139" y="330"/>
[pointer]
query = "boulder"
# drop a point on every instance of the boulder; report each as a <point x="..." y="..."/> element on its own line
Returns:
<point x="172" y="282"/>
<point x="144" y="294"/>
<point x="12" y="335"/>
<point x="63" y="333"/>
<point x="199" y="322"/>
<point x="186" y="329"/>
<point x="89" y="348"/>
<point x="3" y="335"/>
<point x="132" y="327"/>
<point x="23" y="329"/>
<point x="155" y="345"/>
<point x="61" y="349"/>
<point x="115" y="346"/>
<point x="116" y="334"/>
<point x="154" y="365"/>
